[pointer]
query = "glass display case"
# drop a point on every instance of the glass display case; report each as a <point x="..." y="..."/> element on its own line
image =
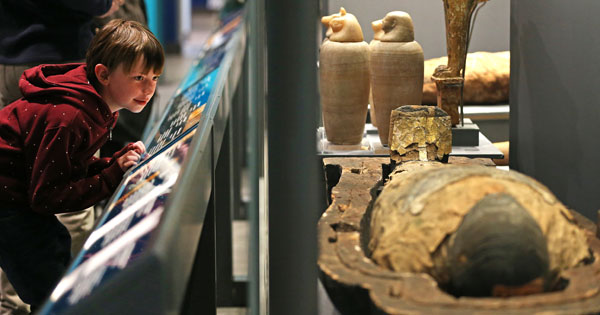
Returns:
<point x="143" y="253"/>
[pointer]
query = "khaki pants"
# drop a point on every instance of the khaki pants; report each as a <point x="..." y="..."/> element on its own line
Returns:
<point x="79" y="224"/>
<point x="9" y="82"/>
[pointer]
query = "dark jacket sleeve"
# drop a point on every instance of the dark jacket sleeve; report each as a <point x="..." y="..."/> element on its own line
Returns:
<point x="96" y="165"/>
<point x="91" y="7"/>
<point x="54" y="186"/>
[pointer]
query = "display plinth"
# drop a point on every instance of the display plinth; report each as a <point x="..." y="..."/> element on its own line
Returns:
<point x="370" y="146"/>
<point x="466" y="135"/>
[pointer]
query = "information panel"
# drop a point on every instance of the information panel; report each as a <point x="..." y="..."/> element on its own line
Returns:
<point x="123" y="234"/>
<point x="201" y="67"/>
<point x="184" y="112"/>
<point x="184" y="109"/>
<point x="212" y="52"/>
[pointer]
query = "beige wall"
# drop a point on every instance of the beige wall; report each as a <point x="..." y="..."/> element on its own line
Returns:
<point x="491" y="31"/>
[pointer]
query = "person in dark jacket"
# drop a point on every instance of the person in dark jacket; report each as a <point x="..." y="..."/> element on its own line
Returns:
<point x="47" y="143"/>
<point x="33" y="32"/>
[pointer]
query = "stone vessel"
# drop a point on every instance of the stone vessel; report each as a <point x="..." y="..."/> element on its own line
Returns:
<point x="344" y="80"/>
<point x="377" y="32"/>
<point x="397" y="66"/>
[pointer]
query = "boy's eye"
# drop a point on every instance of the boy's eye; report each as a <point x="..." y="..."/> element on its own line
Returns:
<point x="155" y="78"/>
<point x="138" y="78"/>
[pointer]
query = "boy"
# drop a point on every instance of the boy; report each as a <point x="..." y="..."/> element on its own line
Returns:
<point x="47" y="142"/>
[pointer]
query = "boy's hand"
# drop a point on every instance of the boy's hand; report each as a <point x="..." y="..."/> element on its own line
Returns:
<point x="131" y="157"/>
<point x="139" y="147"/>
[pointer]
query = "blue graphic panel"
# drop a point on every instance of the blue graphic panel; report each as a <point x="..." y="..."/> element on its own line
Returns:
<point x="184" y="112"/>
<point x="123" y="234"/>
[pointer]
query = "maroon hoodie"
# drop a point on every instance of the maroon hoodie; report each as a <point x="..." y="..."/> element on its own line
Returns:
<point x="48" y="139"/>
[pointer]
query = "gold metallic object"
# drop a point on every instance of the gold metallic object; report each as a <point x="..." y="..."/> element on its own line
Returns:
<point x="419" y="133"/>
<point x="449" y="79"/>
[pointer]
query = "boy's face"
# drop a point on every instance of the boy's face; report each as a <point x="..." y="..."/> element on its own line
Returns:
<point x="130" y="91"/>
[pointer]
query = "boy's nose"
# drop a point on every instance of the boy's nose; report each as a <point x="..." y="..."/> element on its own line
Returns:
<point x="149" y="87"/>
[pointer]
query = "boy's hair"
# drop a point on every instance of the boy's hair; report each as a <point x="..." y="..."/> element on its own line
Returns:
<point x="123" y="42"/>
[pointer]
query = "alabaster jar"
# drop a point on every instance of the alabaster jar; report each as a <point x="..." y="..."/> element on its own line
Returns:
<point x="397" y="66"/>
<point x="344" y="80"/>
<point x="377" y="32"/>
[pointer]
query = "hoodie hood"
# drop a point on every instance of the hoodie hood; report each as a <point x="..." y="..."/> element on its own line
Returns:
<point x="69" y="83"/>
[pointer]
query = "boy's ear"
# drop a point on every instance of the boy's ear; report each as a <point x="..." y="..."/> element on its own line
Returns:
<point x="102" y="73"/>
